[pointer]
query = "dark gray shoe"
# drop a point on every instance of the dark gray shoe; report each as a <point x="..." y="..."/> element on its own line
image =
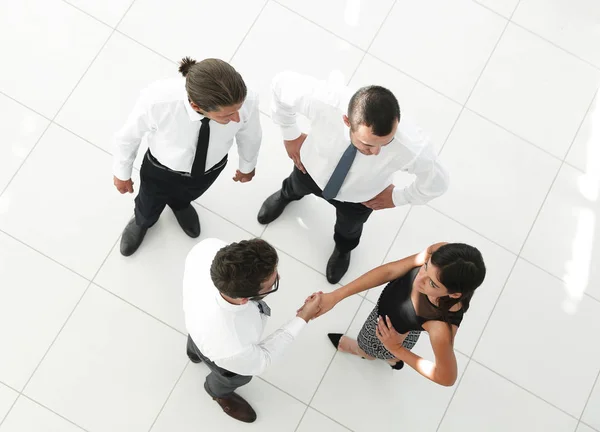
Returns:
<point x="272" y="208"/>
<point x="132" y="238"/>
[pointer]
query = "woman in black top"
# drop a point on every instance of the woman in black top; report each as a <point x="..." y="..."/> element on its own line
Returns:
<point x="428" y="292"/>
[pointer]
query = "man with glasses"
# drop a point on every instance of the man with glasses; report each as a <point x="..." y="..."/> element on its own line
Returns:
<point x="224" y="287"/>
<point x="356" y="145"/>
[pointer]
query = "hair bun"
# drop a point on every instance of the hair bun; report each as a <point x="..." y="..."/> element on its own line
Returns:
<point x="185" y="65"/>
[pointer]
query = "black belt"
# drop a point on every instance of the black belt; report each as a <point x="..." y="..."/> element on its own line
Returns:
<point x="157" y="164"/>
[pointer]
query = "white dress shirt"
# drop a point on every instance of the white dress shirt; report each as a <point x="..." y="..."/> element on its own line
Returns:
<point x="229" y="335"/>
<point x="325" y="104"/>
<point x="164" y="114"/>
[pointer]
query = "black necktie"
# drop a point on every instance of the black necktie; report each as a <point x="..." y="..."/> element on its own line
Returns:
<point x="199" y="165"/>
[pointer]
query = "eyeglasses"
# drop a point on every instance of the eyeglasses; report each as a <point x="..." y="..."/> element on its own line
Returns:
<point x="274" y="288"/>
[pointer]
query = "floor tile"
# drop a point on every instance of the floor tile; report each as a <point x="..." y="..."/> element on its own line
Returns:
<point x="512" y="93"/>
<point x="433" y="112"/>
<point x="37" y="40"/>
<point x="305" y="230"/>
<point x="584" y="428"/>
<point x="109" y="12"/>
<point x="74" y="215"/>
<point x="585" y="151"/>
<point x="7" y="397"/>
<point x="190" y="407"/>
<point x="113" y="356"/>
<point x="301" y="369"/>
<point x="355" y="21"/>
<point x="306" y="49"/>
<point x="425" y="226"/>
<point x="377" y="397"/>
<point x="498" y="182"/>
<point x="571" y="24"/>
<point x="444" y="44"/>
<point x="565" y="239"/>
<point x="475" y="410"/>
<point x="199" y="29"/>
<point x="20" y="130"/>
<point x="240" y="202"/>
<point x="152" y="278"/>
<point x="28" y="416"/>
<point x="33" y="290"/>
<point x="530" y="319"/>
<point x="503" y="7"/>
<point x="591" y="415"/>
<point x="314" y="421"/>
<point x="103" y="100"/>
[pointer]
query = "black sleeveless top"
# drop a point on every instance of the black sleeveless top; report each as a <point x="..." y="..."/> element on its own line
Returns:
<point x="395" y="302"/>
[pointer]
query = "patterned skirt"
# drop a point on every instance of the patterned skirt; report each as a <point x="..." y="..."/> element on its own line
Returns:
<point x="370" y="344"/>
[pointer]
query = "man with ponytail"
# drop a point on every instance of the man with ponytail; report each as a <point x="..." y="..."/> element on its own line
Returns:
<point x="190" y="125"/>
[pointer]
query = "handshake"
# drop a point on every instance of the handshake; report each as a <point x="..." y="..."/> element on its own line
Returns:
<point x="316" y="305"/>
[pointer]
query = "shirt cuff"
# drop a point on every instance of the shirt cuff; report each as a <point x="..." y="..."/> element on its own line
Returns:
<point x="121" y="172"/>
<point x="290" y="132"/>
<point x="246" y="167"/>
<point x="399" y="197"/>
<point x="295" y="326"/>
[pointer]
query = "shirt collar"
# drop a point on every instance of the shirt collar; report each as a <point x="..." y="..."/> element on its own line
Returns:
<point x="194" y="115"/>
<point x="224" y="304"/>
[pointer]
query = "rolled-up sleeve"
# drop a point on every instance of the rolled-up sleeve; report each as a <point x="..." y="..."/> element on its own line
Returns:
<point x="257" y="358"/>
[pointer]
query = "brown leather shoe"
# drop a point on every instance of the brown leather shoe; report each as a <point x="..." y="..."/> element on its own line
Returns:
<point x="236" y="406"/>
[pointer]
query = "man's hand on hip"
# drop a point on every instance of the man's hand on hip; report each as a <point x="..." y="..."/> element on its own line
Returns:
<point x="243" y="178"/>
<point x="123" y="186"/>
<point x="293" y="150"/>
<point x="383" y="200"/>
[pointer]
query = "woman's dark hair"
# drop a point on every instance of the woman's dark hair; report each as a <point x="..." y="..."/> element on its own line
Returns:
<point x="375" y="107"/>
<point x="212" y="83"/>
<point x="239" y="268"/>
<point x="461" y="270"/>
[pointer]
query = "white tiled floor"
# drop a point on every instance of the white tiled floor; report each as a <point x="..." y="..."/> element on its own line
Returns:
<point x="95" y="342"/>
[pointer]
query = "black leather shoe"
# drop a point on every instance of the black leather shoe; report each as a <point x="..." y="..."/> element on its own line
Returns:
<point x="272" y="208"/>
<point x="132" y="238"/>
<point x="188" y="220"/>
<point x="337" y="266"/>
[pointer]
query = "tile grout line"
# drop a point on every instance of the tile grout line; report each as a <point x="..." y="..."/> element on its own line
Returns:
<point x="44" y="255"/>
<point x="596" y="382"/>
<point x="21" y="393"/>
<point x="8" y="184"/>
<point x="555" y="45"/>
<point x="59" y="109"/>
<point x="54" y="412"/>
<point x="554" y="180"/>
<point x="476" y="344"/>
<point x="318" y="25"/>
<point x="366" y="52"/>
<point x="88" y="14"/>
<point x="169" y="396"/>
<point x="516" y="259"/>
<point x="523" y="388"/>
<point x="309" y="405"/>
<point x="249" y="30"/>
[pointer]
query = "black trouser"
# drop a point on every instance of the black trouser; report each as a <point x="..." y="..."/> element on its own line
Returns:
<point x="160" y="186"/>
<point x="220" y="382"/>
<point x="350" y="217"/>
